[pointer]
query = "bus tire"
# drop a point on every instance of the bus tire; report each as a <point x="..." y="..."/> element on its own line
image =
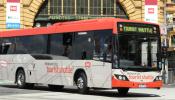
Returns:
<point x="81" y="83"/>
<point x="123" y="91"/>
<point x="55" y="87"/>
<point x="21" y="79"/>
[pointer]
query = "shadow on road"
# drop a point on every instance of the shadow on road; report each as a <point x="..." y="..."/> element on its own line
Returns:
<point x="108" y="93"/>
<point x="115" y="94"/>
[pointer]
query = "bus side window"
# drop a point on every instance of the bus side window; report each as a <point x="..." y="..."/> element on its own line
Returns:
<point x="67" y="43"/>
<point x="4" y="48"/>
<point x="0" y="48"/>
<point x="7" y="45"/>
<point x="103" y="45"/>
<point x="84" y="55"/>
<point x="83" y="45"/>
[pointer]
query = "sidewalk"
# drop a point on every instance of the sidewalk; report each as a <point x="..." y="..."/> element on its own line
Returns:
<point x="169" y="85"/>
<point x="5" y="82"/>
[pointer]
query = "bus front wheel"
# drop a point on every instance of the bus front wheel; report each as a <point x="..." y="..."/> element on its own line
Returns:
<point x="81" y="83"/>
<point x="21" y="79"/>
<point x="123" y="91"/>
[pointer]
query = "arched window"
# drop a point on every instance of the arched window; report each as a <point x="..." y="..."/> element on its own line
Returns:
<point x="55" y="10"/>
<point x="55" y="6"/>
<point x="120" y="12"/>
<point x="82" y="7"/>
<point x="68" y="7"/>
<point x="95" y="7"/>
<point x="108" y="7"/>
<point x="44" y="9"/>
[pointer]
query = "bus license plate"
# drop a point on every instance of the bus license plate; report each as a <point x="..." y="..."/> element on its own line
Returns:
<point x="142" y="86"/>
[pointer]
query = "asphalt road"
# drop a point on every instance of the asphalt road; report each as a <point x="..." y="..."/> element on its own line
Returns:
<point x="11" y="92"/>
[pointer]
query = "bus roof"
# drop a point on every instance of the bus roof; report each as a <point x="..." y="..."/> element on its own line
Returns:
<point x="73" y="26"/>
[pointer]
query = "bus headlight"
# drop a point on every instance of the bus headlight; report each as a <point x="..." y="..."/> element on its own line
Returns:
<point x="158" y="78"/>
<point x="121" y="77"/>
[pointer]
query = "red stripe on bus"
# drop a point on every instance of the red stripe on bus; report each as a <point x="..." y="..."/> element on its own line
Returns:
<point x="74" y="26"/>
<point x="119" y="83"/>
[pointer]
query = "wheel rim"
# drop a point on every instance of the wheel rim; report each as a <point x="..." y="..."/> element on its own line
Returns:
<point x="20" y="79"/>
<point x="80" y="83"/>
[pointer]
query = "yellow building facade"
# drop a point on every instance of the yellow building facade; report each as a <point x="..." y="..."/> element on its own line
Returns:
<point x="28" y="11"/>
<point x="170" y="18"/>
<point x="29" y="8"/>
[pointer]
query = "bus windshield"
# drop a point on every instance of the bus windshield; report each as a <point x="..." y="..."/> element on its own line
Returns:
<point x="138" y="51"/>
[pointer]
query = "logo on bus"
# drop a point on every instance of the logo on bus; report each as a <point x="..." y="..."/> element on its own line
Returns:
<point x="88" y="64"/>
<point x="139" y="76"/>
<point x="55" y="68"/>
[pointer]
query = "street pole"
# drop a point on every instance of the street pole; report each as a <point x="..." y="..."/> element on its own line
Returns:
<point x="165" y="59"/>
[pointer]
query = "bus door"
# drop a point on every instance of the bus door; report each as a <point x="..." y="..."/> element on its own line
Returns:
<point x="146" y="58"/>
<point x="102" y="56"/>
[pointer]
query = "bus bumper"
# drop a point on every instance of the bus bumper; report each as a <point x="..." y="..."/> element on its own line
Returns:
<point x="128" y="84"/>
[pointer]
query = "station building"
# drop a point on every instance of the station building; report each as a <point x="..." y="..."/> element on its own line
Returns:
<point x="37" y="13"/>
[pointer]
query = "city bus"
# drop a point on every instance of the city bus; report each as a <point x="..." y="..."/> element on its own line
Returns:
<point x="104" y="53"/>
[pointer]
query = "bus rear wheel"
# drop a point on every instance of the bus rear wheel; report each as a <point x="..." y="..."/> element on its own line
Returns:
<point x="81" y="83"/>
<point x="123" y="91"/>
<point x="21" y="79"/>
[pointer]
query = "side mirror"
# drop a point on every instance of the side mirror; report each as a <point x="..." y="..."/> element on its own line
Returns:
<point x="160" y="66"/>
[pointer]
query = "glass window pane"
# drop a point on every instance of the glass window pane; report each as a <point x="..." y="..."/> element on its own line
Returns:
<point x="38" y="44"/>
<point x="82" y="7"/>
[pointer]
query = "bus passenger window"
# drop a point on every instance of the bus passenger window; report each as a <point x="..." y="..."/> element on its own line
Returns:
<point x="82" y="46"/>
<point x="103" y="45"/>
<point x="67" y="50"/>
<point x="84" y="53"/>
<point x="67" y="43"/>
<point x="5" y="47"/>
<point x="67" y="39"/>
<point x="1" y="49"/>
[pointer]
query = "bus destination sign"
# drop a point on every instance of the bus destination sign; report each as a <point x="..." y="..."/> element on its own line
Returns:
<point x="137" y="28"/>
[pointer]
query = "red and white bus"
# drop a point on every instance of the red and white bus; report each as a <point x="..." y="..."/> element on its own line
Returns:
<point x="105" y="53"/>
